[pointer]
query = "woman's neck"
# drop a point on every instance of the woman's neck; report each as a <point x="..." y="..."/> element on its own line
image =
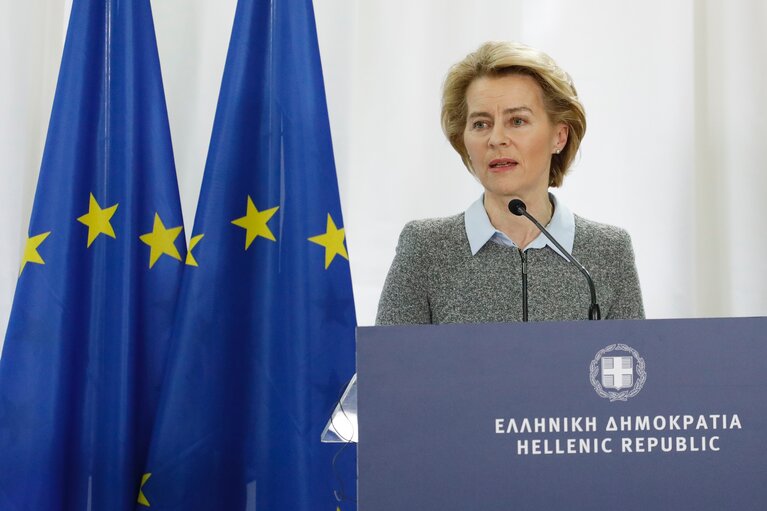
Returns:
<point x="521" y="230"/>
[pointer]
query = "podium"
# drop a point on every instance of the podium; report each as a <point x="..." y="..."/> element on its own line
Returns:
<point x="625" y="415"/>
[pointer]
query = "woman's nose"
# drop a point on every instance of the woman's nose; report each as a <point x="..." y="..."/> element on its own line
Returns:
<point x="499" y="137"/>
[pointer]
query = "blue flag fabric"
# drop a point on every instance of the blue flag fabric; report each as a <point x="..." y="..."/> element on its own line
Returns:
<point x="264" y="337"/>
<point x="90" y="327"/>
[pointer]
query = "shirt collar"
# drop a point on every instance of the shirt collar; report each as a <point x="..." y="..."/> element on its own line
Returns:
<point x="479" y="230"/>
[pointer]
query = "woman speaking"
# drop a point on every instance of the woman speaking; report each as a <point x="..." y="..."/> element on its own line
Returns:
<point x="515" y="119"/>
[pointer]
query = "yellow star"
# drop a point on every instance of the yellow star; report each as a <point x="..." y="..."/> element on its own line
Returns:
<point x="31" y="255"/>
<point x="333" y="241"/>
<point x="97" y="220"/>
<point x="141" y="498"/>
<point x="254" y="223"/>
<point x="190" y="260"/>
<point x="161" y="241"/>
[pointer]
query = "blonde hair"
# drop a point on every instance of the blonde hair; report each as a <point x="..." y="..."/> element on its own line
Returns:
<point x="506" y="58"/>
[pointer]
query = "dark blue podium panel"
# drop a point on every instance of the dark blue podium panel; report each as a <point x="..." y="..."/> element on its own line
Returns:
<point x="620" y="415"/>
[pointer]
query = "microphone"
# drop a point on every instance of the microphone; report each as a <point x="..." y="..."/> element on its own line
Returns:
<point x="518" y="208"/>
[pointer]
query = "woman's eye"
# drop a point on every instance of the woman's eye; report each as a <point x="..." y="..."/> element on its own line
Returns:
<point x="478" y="125"/>
<point x="518" y="121"/>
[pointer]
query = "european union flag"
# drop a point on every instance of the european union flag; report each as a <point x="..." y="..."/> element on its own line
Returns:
<point x="87" y="341"/>
<point x="264" y="338"/>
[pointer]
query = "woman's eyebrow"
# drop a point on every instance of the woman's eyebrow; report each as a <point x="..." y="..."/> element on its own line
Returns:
<point x="514" y="110"/>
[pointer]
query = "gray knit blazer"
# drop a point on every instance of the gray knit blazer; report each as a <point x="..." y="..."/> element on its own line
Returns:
<point x="435" y="279"/>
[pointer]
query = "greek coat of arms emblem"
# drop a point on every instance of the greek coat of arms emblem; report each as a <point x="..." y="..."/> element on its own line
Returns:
<point x="617" y="372"/>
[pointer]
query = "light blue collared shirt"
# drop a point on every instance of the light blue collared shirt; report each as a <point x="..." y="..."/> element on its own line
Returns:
<point x="479" y="230"/>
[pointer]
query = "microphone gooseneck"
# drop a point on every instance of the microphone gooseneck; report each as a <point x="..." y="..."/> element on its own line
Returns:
<point x="517" y="207"/>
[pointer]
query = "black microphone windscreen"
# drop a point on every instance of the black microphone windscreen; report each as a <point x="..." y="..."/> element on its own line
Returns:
<point x="517" y="207"/>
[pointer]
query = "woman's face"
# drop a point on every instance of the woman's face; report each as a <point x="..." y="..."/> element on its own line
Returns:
<point x="509" y="136"/>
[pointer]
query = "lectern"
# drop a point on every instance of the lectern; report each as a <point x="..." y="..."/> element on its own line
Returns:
<point x="619" y="415"/>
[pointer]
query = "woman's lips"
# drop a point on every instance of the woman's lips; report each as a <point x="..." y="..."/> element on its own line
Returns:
<point x="500" y="164"/>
